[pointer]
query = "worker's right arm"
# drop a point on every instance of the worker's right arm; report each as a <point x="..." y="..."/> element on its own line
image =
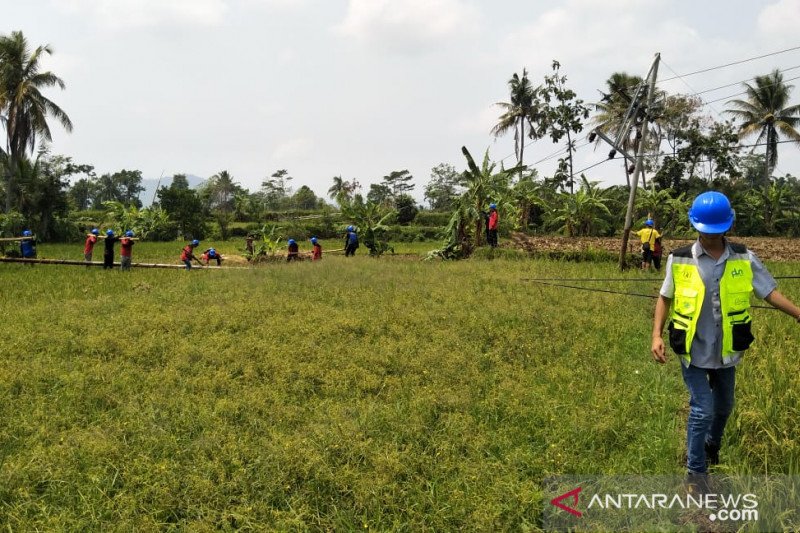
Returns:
<point x="659" y="319"/>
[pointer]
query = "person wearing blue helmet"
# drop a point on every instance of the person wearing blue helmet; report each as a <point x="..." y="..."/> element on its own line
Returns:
<point x="88" y="247"/>
<point x="707" y="287"/>
<point x="316" y="249"/>
<point x="209" y="254"/>
<point x="126" y="250"/>
<point x="293" y="251"/>
<point x="648" y="235"/>
<point x="108" y="251"/>
<point x="27" y="245"/>
<point x="350" y="241"/>
<point x="187" y="254"/>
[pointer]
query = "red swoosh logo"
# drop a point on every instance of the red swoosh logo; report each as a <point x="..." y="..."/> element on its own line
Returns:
<point x="571" y="494"/>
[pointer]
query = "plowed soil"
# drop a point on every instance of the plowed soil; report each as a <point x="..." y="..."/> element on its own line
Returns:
<point x="766" y="248"/>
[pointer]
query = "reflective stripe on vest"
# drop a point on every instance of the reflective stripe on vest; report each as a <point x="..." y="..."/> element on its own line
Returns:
<point x="735" y="289"/>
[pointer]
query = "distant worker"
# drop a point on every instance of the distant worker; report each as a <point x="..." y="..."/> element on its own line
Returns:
<point x="27" y="245"/>
<point x="126" y="250"/>
<point x="294" y="251"/>
<point x="88" y="248"/>
<point x="187" y="254"/>
<point x="350" y="241"/>
<point x="708" y="285"/>
<point x="316" y="250"/>
<point x="492" y="225"/>
<point x="658" y="252"/>
<point x="648" y="236"/>
<point x="248" y="245"/>
<point x="108" y="252"/>
<point x="209" y="254"/>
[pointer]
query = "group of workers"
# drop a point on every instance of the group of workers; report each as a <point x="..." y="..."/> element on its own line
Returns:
<point x="128" y="239"/>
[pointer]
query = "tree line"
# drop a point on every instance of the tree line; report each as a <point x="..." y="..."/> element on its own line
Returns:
<point x="687" y="151"/>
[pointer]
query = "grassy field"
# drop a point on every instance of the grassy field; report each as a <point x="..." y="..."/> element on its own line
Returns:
<point x="349" y="394"/>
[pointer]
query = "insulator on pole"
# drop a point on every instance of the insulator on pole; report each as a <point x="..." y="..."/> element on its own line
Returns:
<point x="612" y="154"/>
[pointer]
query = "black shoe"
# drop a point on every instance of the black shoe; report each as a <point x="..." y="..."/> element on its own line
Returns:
<point x="697" y="484"/>
<point x="712" y="454"/>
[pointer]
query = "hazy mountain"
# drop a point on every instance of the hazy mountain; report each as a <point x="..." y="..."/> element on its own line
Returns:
<point x="150" y="186"/>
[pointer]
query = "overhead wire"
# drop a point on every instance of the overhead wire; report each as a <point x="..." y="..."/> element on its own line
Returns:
<point x="717" y="67"/>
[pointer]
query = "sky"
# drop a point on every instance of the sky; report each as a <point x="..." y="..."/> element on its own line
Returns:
<point x="359" y="88"/>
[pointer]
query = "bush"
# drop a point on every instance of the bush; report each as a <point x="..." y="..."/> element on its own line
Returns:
<point x="433" y="218"/>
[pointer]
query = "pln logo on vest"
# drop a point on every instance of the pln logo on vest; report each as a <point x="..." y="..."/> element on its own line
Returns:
<point x="736" y="272"/>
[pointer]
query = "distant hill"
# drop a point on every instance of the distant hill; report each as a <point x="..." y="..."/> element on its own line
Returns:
<point x="150" y="186"/>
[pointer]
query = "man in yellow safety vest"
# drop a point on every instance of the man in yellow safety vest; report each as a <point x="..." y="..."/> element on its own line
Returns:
<point x="708" y="286"/>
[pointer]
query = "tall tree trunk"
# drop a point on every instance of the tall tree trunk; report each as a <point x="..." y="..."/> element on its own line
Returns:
<point x="767" y="157"/>
<point x="9" y="182"/>
<point x="569" y="157"/>
<point x="521" y="142"/>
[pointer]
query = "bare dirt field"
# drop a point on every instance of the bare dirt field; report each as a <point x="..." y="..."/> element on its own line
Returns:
<point x="766" y="248"/>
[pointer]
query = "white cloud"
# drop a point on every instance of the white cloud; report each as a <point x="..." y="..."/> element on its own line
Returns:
<point x="780" y="19"/>
<point x="408" y="25"/>
<point x="281" y="4"/>
<point x="479" y="121"/>
<point x="291" y="150"/>
<point x="119" y="14"/>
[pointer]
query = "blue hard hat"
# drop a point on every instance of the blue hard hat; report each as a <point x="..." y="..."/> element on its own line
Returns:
<point x="129" y="233"/>
<point x="492" y="206"/>
<point x="95" y="231"/>
<point x="313" y="240"/>
<point x="292" y="241"/>
<point x="27" y="233"/>
<point x="195" y="242"/>
<point x="648" y="222"/>
<point x="350" y="228"/>
<point x="212" y="251"/>
<point x="109" y="232"/>
<point x="711" y="212"/>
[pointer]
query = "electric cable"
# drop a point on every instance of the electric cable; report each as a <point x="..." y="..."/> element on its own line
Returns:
<point x="709" y="69"/>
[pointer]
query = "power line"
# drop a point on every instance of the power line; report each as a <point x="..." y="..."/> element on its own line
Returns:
<point x="745" y="92"/>
<point x="691" y="89"/>
<point x="709" y="69"/>
<point x="740" y="82"/>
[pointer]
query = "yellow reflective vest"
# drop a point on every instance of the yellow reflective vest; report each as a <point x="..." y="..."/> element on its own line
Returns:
<point x="735" y="286"/>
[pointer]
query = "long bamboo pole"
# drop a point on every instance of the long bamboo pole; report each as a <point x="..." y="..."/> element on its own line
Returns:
<point x="74" y="262"/>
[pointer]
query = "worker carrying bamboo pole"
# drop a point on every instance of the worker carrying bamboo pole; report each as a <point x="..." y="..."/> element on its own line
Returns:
<point x="27" y="245"/>
<point x="108" y="251"/>
<point x="187" y="254"/>
<point x="88" y="247"/>
<point x="316" y="250"/>
<point x="126" y="250"/>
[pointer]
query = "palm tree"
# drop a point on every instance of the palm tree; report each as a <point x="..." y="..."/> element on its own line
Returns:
<point x="24" y="108"/>
<point x="522" y="109"/>
<point x="765" y="113"/>
<point x="337" y="188"/>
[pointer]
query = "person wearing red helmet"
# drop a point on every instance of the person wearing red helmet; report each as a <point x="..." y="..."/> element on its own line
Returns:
<point x="707" y="287"/>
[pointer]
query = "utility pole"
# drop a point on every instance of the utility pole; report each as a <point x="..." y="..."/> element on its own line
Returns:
<point x="638" y="169"/>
